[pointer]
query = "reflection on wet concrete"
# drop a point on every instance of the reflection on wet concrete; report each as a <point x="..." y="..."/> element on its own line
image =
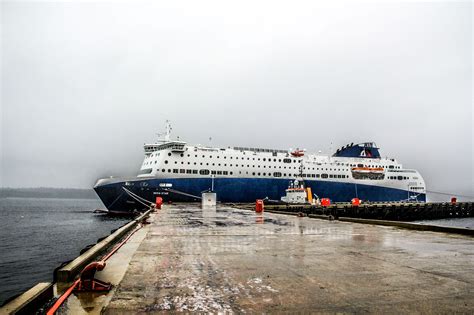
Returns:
<point x="232" y="260"/>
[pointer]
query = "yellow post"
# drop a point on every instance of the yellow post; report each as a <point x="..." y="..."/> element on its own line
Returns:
<point x="309" y="195"/>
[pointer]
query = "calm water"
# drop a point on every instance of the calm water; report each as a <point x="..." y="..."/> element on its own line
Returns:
<point x="37" y="235"/>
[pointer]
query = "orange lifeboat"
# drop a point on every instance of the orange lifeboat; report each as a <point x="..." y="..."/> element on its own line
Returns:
<point x="368" y="173"/>
<point x="368" y="169"/>
<point x="297" y="153"/>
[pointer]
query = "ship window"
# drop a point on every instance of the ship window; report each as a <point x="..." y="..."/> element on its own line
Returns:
<point x="182" y="171"/>
<point x="232" y="173"/>
<point x="195" y="171"/>
<point x="213" y="172"/>
<point x="253" y="173"/>
<point x="258" y="174"/>
<point x="224" y="172"/>
<point x="163" y="170"/>
<point x="324" y="176"/>
<point x="331" y="176"/>
<point x="360" y="165"/>
<point x="146" y="171"/>
<point x="169" y="171"/>
<point x="204" y="172"/>
<point x="219" y="172"/>
<point x="166" y="161"/>
<point x="175" y="162"/>
<point x="181" y="154"/>
<point x="277" y="174"/>
<point x="390" y="166"/>
<point x="317" y="175"/>
<point x="217" y="156"/>
<point x="175" y="170"/>
<point x="169" y="154"/>
<point x="400" y="177"/>
<point x="286" y="160"/>
<point x="279" y="160"/>
<point x="188" y="171"/>
<point x="264" y="159"/>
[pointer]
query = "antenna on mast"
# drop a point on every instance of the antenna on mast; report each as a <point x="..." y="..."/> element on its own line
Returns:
<point x="168" y="131"/>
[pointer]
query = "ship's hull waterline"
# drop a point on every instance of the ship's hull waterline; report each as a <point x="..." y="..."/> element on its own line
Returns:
<point x="118" y="195"/>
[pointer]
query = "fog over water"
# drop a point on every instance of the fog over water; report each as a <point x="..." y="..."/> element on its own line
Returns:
<point x="85" y="84"/>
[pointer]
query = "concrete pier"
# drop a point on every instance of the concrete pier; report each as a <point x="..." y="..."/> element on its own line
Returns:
<point x="233" y="260"/>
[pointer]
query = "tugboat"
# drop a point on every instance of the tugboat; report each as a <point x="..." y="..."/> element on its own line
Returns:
<point x="296" y="193"/>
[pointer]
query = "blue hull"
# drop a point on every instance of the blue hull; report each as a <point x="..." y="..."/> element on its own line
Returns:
<point x="238" y="190"/>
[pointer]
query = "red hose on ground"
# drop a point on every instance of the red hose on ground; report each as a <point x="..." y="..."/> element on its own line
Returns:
<point x="69" y="291"/>
<point x="62" y="298"/>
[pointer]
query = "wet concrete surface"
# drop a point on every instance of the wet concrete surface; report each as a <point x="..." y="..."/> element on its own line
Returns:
<point x="231" y="260"/>
<point x="94" y="302"/>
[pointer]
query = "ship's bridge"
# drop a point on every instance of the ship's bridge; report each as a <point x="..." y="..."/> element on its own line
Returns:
<point x="360" y="150"/>
<point x="174" y="146"/>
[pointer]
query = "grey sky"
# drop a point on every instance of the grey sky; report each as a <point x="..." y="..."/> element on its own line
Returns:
<point x="84" y="85"/>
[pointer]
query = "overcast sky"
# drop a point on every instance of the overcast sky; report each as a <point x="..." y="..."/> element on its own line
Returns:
<point x="84" y="85"/>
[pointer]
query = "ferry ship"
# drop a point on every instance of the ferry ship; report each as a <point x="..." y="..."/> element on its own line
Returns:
<point x="176" y="171"/>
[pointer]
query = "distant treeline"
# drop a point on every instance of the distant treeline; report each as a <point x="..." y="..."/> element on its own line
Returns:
<point x="67" y="193"/>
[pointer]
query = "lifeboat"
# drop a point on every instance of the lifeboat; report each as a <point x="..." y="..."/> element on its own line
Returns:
<point x="376" y="173"/>
<point x="368" y="169"/>
<point x="297" y="153"/>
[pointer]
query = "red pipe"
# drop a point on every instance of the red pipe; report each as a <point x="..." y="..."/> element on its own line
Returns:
<point x="116" y="248"/>
<point x="66" y="294"/>
<point x="62" y="298"/>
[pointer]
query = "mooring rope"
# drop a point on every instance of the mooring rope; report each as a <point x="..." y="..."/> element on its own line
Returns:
<point x="141" y="200"/>
<point x="449" y="194"/>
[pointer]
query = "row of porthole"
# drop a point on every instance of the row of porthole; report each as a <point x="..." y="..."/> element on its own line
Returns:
<point x="276" y="174"/>
<point x="279" y="160"/>
<point x="398" y="177"/>
<point x="248" y="165"/>
<point x="237" y="158"/>
<point x="294" y="161"/>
